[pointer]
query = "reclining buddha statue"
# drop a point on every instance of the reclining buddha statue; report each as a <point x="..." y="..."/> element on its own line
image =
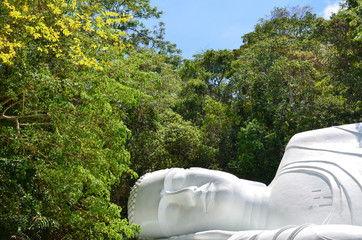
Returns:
<point x="315" y="194"/>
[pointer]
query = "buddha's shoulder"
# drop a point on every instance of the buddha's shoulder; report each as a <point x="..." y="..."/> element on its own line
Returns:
<point x="333" y="147"/>
<point x="335" y="138"/>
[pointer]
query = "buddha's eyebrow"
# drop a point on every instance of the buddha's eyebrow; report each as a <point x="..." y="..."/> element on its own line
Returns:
<point x="168" y="177"/>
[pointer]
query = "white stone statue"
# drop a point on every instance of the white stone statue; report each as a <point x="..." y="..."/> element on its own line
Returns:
<point x="316" y="194"/>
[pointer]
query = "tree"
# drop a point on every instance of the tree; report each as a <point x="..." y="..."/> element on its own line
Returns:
<point x="139" y="35"/>
<point x="283" y="83"/>
<point x="213" y="68"/>
<point x="341" y="37"/>
<point x="67" y="30"/>
<point x="153" y="122"/>
<point x="205" y="100"/>
<point x="180" y="144"/>
<point x="259" y="152"/>
<point x="61" y="128"/>
<point x="294" y="23"/>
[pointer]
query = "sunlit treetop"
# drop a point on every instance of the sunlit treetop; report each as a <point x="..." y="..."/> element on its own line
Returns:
<point x="78" y="30"/>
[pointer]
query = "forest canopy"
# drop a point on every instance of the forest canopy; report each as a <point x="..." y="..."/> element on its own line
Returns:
<point x="90" y="99"/>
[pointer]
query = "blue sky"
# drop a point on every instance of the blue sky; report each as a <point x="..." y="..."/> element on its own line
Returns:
<point x="199" y="25"/>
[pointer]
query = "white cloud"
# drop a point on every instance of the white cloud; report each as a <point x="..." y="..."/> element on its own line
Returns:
<point x="330" y="9"/>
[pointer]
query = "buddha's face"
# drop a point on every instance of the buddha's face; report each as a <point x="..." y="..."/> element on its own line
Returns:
<point x="197" y="199"/>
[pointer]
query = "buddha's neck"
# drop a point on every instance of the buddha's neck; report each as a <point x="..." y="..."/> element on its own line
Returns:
<point x="256" y="207"/>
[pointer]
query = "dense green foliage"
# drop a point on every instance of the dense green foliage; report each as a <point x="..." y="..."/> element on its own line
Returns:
<point x="83" y="113"/>
<point x="62" y="136"/>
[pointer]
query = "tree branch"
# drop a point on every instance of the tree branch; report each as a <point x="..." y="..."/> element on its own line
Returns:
<point x="22" y="110"/>
<point x="19" y="117"/>
<point x="35" y="123"/>
<point x="6" y="101"/>
<point x="17" y="125"/>
<point x="9" y="99"/>
<point x="11" y="105"/>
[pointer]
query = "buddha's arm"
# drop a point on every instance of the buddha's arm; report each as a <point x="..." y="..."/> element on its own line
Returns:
<point x="206" y="235"/>
<point x="303" y="232"/>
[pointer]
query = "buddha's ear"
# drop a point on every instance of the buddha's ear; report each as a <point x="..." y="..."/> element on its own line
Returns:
<point x="143" y="203"/>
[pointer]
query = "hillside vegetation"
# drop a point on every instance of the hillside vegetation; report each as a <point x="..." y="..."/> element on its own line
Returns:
<point x="90" y="99"/>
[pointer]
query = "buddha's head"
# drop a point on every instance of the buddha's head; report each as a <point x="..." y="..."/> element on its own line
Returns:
<point x="180" y="201"/>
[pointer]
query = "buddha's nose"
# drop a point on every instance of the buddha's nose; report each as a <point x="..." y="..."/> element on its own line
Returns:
<point x="185" y="197"/>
